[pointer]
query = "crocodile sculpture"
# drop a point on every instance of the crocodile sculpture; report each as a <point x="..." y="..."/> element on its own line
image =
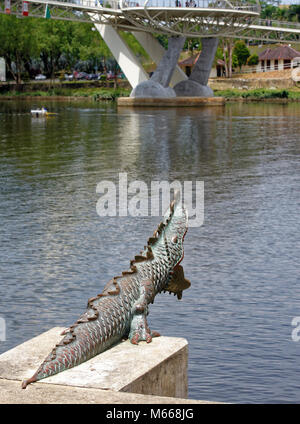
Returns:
<point x="120" y="310"/>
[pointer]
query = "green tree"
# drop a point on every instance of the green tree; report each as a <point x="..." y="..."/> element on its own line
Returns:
<point x="18" y="44"/>
<point x="55" y="45"/>
<point x="227" y="50"/>
<point x="241" y="52"/>
<point x="271" y="10"/>
<point x="134" y="45"/>
<point x="192" y="44"/>
<point x="53" y="39"/>
<point x="163" y="40"/>
<point x="268" y="11"/>
<point x="87" y="45"/>
<point x="293" y="12"/>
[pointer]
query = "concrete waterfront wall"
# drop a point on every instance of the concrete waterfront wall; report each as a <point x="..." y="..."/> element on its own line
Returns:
<point x="170" y="102"/>
<point x="124" y="374"/>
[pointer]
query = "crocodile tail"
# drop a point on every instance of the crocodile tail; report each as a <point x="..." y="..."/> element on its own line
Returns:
<point x="102" y="325"/>
<point x="66" y="354"/>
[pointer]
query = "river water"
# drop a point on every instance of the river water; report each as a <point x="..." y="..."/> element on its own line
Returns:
<point x="243" y="262"/>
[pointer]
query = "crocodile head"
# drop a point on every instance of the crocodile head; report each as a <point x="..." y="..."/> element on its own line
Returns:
<point x="169" y="238"/>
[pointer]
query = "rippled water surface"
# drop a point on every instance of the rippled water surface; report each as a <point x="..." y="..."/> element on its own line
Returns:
<point x="243" y="263"/>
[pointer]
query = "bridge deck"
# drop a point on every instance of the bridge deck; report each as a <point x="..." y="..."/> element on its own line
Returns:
<point x="241" y="20"/>
<point x="114" y="10"/>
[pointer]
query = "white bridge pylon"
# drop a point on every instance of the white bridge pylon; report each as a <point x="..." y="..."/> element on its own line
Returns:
<point x="202" y="19"/>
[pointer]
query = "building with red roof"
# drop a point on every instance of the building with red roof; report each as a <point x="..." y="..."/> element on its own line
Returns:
<point x="279" y="58"/>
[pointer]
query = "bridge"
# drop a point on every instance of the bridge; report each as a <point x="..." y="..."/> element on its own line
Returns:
<point x="205" y="19"/>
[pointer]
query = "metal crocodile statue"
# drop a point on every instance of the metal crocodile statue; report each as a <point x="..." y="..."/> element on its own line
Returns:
<point x="120" y="310"/>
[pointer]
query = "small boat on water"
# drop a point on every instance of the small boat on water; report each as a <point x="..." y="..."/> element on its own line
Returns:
<point x="41" y="113"/>
<point x="38" y="113"/>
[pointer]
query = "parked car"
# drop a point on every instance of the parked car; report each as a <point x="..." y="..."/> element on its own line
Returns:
<point x="92" y="76"/>
<point x="81" y="76"/>
<point x="69" y="77"/>
<point x="110" y="75"/>
<point x="40" y="77"/>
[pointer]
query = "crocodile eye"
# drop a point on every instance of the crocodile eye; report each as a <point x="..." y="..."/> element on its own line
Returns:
<point x="174" y="239"/>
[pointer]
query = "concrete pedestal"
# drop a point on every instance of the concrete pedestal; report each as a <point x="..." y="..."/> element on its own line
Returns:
<point x="192" y="88"/>
<point x="158" y="368"/>
<point x="171" y="102"/>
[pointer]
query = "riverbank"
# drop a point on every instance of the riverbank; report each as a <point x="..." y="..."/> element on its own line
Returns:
<point x="95" y="93"/>
<point x="99" y="91"/>
<point x="260" y="94"/>
<point x="275" y="80"/>
<point x="267" y="96"/>
<point x="272" y="86"/>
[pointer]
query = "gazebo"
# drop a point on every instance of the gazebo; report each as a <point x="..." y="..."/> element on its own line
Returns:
<point x="282" y="57"/>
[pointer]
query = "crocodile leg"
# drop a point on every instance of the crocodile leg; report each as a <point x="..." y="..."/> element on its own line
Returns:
<point x="139" y="329"/>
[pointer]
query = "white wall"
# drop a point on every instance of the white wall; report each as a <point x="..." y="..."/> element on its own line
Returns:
<point x="213" y="73"/>
<point x="260" y="68"/>
<point x="2" y="69"/>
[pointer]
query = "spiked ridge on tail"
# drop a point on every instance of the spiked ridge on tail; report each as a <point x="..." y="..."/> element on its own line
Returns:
<point x="121" y="309"/>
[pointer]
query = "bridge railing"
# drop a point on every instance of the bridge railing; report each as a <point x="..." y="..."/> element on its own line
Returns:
<point x="277" y="24"/>
<point x="202" y="4"/>
<point x="110" y="4"/>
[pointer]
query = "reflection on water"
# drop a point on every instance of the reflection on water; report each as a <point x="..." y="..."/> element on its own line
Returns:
<point x="243" y="262"/>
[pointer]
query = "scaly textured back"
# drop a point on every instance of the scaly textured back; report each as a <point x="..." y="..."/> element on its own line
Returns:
<point x="121" y="309"/>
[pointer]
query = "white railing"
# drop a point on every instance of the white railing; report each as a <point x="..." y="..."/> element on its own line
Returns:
<point x="276" y="24"/>
<point x="201" y="4"/>
<point x="258" y="69"/>
<point x="110" y="4"/>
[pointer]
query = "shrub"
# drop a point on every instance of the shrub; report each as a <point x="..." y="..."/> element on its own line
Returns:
<point x="242" y="53"/>
<point x="266" y="94"/>
<point x="252" y="60"/>
<point x="259" y="93"/>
